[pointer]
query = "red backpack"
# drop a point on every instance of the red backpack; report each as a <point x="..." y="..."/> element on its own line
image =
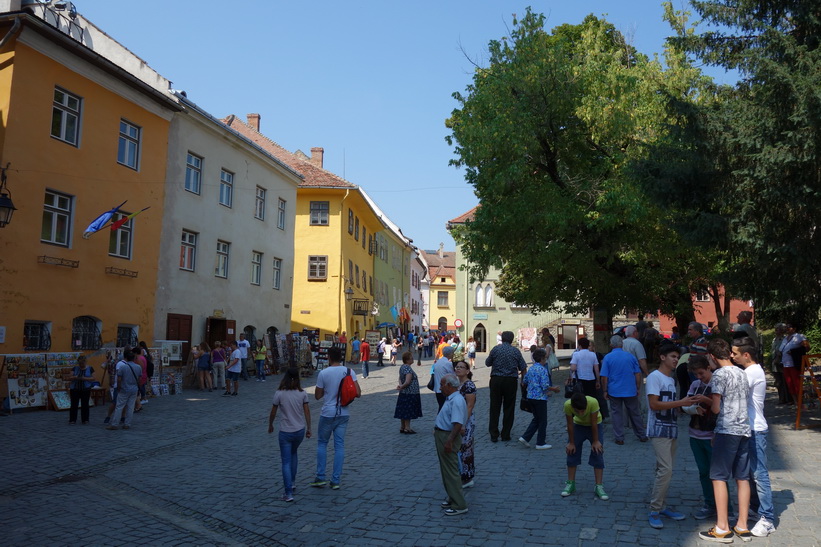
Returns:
<point x="347" y="390"/>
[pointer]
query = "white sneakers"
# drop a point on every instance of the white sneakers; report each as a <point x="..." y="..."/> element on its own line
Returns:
<point x="538" y="446"/>
<point x="763" y="528"/>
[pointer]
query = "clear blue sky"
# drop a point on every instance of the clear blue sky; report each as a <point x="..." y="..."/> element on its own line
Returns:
<point x="369" y="81"/>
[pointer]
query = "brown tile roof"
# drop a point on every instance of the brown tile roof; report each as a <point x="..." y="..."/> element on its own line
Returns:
<point x="314" y="176"/>
<point x="441" y="267"/>
<point x="461" y="219"/>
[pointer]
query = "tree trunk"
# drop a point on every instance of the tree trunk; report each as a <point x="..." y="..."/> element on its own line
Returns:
<point x="602" y="329"/>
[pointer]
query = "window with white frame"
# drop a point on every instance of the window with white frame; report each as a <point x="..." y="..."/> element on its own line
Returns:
<point x="442" y="299"/>
<point x="56" y="226"/>
<point x="128" y="150"/>
<point x="37" y="336"/>
<point x="480" y="297"/>
<point x="119" y="241"/>
<point x="256" y="268"/>
<point x="193" y="173"/>
<point x="65" y="117"/>
<point x="226" y="188"/>
<point x="223" y="250"/>
<point x="188" y="251"/>
<point x="702" y="296"/>
<point x="317" y="267"/>
<point x="281" y="214"/>
<point x="489" y="296"/>
<point x="277" y="273"/>
<point x="319" y="213"/>
<point x="259" y="207"/>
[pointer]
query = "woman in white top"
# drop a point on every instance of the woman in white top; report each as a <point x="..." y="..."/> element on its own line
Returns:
<point x="294" y="425"/>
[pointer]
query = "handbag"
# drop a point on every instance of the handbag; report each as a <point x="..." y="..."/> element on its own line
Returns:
<point x="572" y="386"/>
<point x="432" y="383"/>
<point x="524" y="404"/>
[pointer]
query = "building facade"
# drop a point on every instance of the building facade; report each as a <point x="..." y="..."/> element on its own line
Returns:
<point x="79" y="136"/>
<point x="227" y="252"/>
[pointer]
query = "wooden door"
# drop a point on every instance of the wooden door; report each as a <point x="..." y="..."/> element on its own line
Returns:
<point x="178" y="327"/>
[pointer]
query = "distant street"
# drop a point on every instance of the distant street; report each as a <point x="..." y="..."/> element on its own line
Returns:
<point x="200" y="469"/>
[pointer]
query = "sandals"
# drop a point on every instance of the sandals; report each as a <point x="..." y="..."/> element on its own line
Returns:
<point x="410" y="432"/>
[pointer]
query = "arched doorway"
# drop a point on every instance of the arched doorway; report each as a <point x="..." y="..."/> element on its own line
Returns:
<point x="442" y="324"/>
<point x="480" y="336"/>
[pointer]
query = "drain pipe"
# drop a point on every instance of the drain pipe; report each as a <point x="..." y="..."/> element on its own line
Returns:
<point x="12" y="34"/>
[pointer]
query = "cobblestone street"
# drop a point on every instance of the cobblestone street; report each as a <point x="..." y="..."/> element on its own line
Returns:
<point x="200" y="469"/>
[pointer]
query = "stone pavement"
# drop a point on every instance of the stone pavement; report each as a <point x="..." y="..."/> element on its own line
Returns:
<point x="200" y="469"/>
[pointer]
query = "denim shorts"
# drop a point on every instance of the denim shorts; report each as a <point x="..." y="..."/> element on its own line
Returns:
<point x="583" y="433"/>
<point x="233" y="376"/>
<point x="731" y="457"/>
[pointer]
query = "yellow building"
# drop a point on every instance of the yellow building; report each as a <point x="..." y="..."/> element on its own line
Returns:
<point x="442" y="299"/>
<point x="334" y="243"/>
<point x="79" y="136"/>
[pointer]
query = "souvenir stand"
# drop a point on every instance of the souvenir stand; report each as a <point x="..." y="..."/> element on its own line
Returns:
<point x="169" y="377"/>
<point x="27" y="380"/>
<point x="810" y="394"/>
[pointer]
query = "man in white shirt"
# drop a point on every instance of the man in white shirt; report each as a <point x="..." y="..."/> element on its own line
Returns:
<point x="761" y="497"/>
<point x="439" y="369"/>
<point x="128" y="379"/>
<point x="244" y="347"/>
<point x="333" y="418"/>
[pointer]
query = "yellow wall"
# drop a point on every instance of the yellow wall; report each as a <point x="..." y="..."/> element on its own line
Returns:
<point x="33" y="291"/>
<point x="325" y="301"/>
<point x="437" y="311"/>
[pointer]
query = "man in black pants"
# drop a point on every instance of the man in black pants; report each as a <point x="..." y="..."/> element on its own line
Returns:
<point x="507" y="365"/>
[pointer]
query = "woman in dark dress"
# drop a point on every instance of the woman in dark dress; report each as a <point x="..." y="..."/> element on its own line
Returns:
<point x="409" y="402"/>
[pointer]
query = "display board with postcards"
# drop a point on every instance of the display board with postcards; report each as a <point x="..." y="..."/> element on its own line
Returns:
<point x="59" y="367"/>
<point x="27" y="380"/>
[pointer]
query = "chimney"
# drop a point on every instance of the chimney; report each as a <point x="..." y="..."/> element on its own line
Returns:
<point x="253" y="121"/>
<point x="317" y="155"/>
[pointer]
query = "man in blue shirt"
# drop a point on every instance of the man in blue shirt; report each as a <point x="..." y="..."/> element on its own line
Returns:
<point x="621" y="381"/>
<point x="448" y="436"/>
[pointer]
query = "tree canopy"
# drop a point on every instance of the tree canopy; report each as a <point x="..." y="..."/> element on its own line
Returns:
<point x="546" y="133"/>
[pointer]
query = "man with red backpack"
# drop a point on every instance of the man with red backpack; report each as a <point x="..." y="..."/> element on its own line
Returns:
<point x="334" y="384"/>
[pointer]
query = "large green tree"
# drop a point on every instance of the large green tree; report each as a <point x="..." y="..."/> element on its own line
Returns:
<point x="546" y="133"/>
<point x="760" y="192"/>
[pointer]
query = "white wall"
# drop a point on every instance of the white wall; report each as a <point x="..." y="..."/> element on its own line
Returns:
<point x="200" y="292"/>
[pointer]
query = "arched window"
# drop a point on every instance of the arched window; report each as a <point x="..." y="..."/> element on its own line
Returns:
<point x="442" y="324"/>
<point x="480" y="297"/>
<point x="250" y="334"/>
<point x="85" y="333"/>
<point x="489" y="296"/>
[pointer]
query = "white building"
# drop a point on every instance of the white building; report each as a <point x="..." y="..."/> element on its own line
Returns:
<point x="228" y="236"/>
<point x="419" y="271"/>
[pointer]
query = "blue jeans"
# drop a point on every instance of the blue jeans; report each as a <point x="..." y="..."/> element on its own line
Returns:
<point x="538" y="424"/>
<point x="761" y="497"/>
<point x="288" y="444"/>
<point x="365" y="369"/>
<point x="260" y="370"/>
<point x="337" y="426"/>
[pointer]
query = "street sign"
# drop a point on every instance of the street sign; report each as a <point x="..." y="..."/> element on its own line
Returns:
<point x="458" y="323"/>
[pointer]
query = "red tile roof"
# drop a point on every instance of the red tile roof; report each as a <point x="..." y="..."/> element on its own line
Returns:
<point x="461" y="219"/>
<point x="314" y="176"/>
<point x="441" y="267"/>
